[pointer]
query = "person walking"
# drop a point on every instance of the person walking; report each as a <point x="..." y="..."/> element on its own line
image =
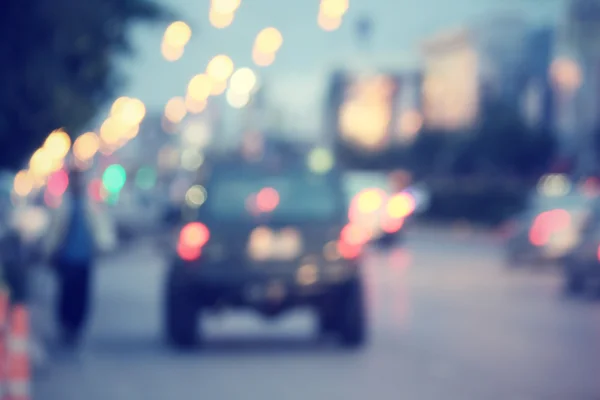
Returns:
<point x="74" y="238"/>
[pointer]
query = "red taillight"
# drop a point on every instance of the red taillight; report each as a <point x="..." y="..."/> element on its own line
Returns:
<point x="547" y="223"/>
<point x="390" y="225"/>
<point x="192" y="238"/>
<point x="348" y="251"/>
<point x="598" y="254"/>
<point x="355" y="234"/>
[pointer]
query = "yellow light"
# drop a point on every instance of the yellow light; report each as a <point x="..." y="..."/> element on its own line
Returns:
<point x="113" y="130"/>
<point x="58" y="144"/>
<point x="219" y="20"/>
<point x="171" y="53"/>
<point x="175" y="110"/>
<point x="268" y="41"/>
<point x="131" y="133"/>
<point x="220" y="68"/>
<point x="333" y="8"/>
<point x="218" y="88"/>
<point x="178" y="34"/>
<point x="119" y="105"/>
<point x="200" y="87"/>
<point x="130" y="111"/>
<point x="42" y="163"/>
<point x="225" y="6"/>
<point x="86" y="146"/>
<point x="262" y="59"/>
<point x="328" y="23"/>
<point x="23" y="183"/>
<point x="237" y="100"/>
<point x="195" y="106"/>
<point x="243" y="80"/>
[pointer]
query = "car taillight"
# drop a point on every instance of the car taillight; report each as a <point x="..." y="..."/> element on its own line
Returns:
<point x="400" y="206"/>
<point x="192" y="239"/>
<point x="352" y="239"/>
<point x="547" y="223"/>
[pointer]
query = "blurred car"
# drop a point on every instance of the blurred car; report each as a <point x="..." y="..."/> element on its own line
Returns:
<point x="268" y="239"/>
<point x="547" y="230"/>
<point x="382" y="209"/>
<point x="581" y="265"/>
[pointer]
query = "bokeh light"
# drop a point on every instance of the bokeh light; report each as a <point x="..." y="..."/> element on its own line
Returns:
<point x="333" y="8"/>
<point x="320" y="160"/>
<point x="195" y="196"/>
<point x="58" y="144"/>
<point x="329" y="23"/>
<point x="225" y="6"/>
<point x="23" y="183"/>
<point x="200" y="87"/>
<point x="86" y="146"/>
<point x="194" y="106"/>
<point x="243" y="81"/>
<point x="262" y="59"/>
<point x="114" y="178"/>
<point x="220" y="68"/>
<point x="237" y="100"/>
<point x="268" y="41"/>
<point x="220" y="20"/>
<point x="171" y="53"/>
<point x="218" y="88"/>
<point x="178" y="34"/>
<point x="42" y="163"/>
<point x="175" y="110"/>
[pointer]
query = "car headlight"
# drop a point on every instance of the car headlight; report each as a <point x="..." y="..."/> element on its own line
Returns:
<point x="289" y="244"/>
<point x="260" y="244"/>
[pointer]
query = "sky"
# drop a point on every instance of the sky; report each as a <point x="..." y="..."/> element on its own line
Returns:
<point x="298" y="77"/>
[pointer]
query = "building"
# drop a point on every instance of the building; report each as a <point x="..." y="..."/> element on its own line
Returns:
<point x="578" y="71"/>
<point x="537" y="97"/>
<point x="467" y="67"/>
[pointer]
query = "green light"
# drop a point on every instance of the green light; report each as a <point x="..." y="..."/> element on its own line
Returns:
<point x="320" y="161"/>
<point x="145" y="178"/>
<point x="114" y="178"/>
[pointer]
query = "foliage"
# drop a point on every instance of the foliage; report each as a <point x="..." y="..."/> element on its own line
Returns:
<point x="57" y="65"/>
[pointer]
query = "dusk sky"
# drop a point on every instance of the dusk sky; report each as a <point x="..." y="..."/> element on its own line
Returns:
<point x="297" y="78"/>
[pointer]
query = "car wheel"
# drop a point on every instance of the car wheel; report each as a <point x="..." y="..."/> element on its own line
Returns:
<point x="327" y="321"/>
<point x="352" y="326"/>
<point x="181" y="314"/>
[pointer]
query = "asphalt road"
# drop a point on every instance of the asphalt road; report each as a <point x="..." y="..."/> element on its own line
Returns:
<point x="448" y="322"/>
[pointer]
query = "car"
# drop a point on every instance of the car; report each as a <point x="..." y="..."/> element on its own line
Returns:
<point x="581" y="265"/>
<point x="268" y="239"/>
<point x="546" y="230"/>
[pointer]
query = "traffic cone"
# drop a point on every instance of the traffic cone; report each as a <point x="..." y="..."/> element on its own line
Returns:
<point x="18" y="370"/>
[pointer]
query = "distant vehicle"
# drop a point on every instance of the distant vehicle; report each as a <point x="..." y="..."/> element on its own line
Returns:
<point x="269" y="239"/>
<point x="548" y="229"/>
<point x="581" y="265"/>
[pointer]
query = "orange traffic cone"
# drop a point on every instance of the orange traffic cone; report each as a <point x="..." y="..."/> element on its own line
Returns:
<point x="18" y="371"/>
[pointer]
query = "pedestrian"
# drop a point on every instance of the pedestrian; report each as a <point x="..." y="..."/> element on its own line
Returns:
<point x="73" y="240"/>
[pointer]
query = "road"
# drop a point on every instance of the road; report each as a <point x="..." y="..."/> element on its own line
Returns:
<point x="448" y="322"/>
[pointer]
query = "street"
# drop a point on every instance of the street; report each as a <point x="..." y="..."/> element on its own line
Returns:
<point x="449" y="321"/>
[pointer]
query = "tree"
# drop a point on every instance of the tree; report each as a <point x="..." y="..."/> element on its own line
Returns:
<point x="57" y="65"/>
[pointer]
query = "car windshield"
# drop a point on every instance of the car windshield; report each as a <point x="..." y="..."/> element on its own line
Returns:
<point x="298" y="197"/>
